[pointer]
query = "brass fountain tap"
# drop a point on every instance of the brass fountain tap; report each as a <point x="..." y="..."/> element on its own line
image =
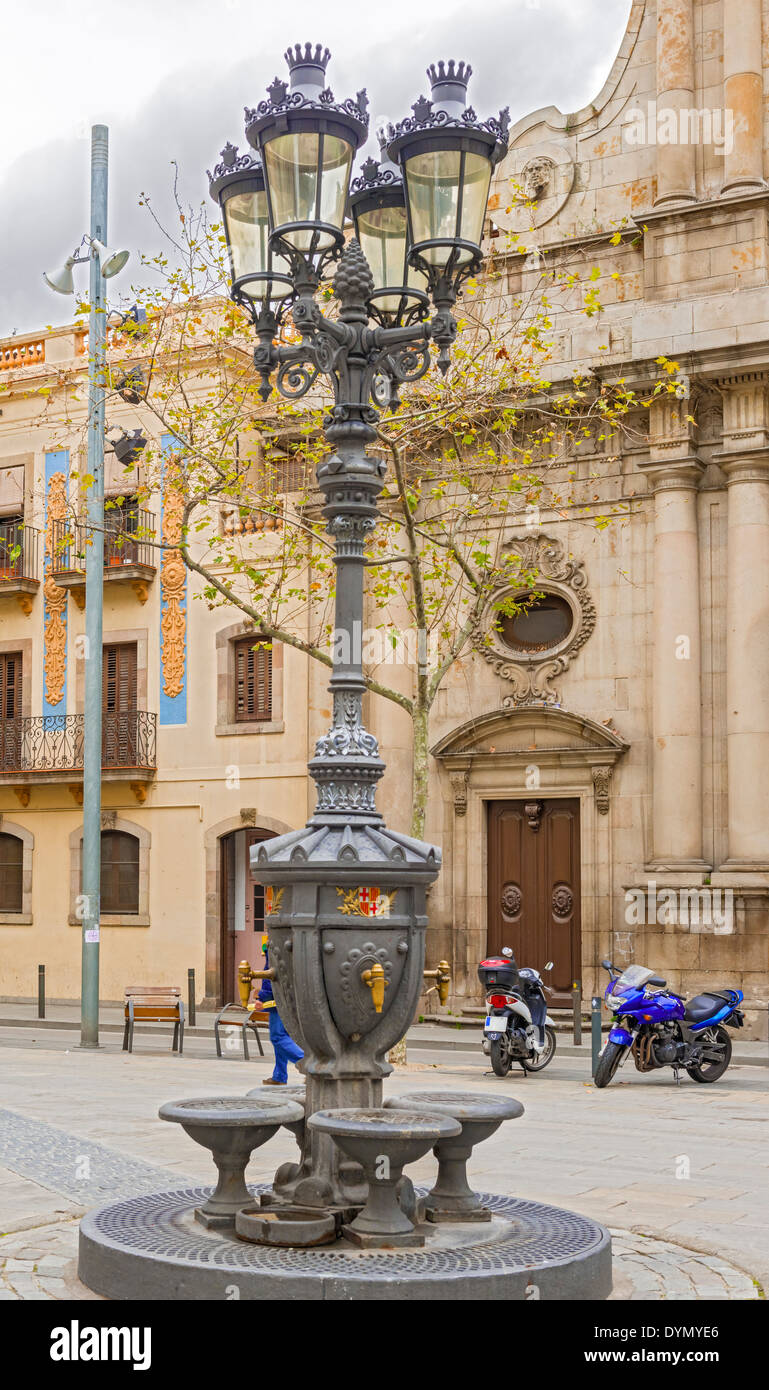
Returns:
<point x="375" y="979"/>
<point x="246" y="977"/>
<point x="442" y="977"/>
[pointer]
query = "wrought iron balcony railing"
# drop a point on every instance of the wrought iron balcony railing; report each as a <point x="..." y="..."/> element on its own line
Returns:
<point x="54" y="742"/>
<point x="128" y="536"/>
<point x="19" y="545"/>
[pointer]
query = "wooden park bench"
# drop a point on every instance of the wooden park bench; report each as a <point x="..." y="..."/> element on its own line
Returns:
<point x="154" y="1004"/>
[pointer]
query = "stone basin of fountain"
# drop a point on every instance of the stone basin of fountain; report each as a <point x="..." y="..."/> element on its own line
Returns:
<point x="384" y="1142"/>
<point x="452" y="1198"/>
<point x="231" y="1127"/>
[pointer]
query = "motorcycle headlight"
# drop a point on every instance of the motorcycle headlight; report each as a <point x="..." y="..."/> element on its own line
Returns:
<point x="614" y="1001"/>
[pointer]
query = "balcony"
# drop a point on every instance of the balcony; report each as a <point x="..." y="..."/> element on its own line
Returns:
<point x="19" y="551"/>
<point x="129" y="555"/>
<point x="24" y="352"/>
<point x="49" y="748"/>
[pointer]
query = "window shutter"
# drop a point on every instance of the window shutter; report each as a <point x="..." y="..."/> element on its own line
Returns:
<point x="253" y="681"/>
<point x="119" y="872"/>
<point x="118" y="691"/>
<point x="119" y="678"/>
<point x="10" y="711"/>
<point x="10" y="685"/>
<point x="11" y="873"/>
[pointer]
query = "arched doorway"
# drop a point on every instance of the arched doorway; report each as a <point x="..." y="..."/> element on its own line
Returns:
<point x="528" y="843"/>
<point x="219" y="970"/>
<point x="241" y="907"/>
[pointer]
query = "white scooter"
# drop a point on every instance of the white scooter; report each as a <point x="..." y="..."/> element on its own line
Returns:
<point x="518" y="1027"/>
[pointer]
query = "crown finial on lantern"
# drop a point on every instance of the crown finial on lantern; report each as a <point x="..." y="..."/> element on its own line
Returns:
<point x="307" y="65"/>
<point x="448" y="81"/>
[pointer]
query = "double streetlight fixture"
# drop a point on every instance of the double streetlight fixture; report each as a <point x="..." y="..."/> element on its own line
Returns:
<point x="418" y="211"/>
<point x="110" y="262"/>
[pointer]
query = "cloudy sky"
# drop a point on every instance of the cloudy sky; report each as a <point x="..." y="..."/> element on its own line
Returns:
<point x="171" y="77"/>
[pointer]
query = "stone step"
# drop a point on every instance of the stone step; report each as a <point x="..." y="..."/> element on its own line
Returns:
<point x="478" y="1011"/>
<point x="465" y="1022"/>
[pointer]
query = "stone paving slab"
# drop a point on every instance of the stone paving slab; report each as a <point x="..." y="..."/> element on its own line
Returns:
<point x="71" y="1165"/>
<point x="612" y="1155"/>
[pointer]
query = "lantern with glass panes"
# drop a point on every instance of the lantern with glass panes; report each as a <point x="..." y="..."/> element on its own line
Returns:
<point x="378" y="209"/>
<point x="418" y="216"/>
<point x="447" y="157"/>
<point x="260" y="279"/>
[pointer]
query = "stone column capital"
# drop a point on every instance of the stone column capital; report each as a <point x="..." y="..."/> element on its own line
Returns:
<point x="674" y="474"/>
<point x="745" y="465"/>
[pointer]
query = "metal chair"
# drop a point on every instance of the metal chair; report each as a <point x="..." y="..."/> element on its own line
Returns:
<point x="253" y="1017"/>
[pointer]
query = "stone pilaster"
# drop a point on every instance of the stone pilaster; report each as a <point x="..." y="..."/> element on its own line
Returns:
<point x="674" y="473"/>
<point x="743" y="96"/>
<point x="745" y="461"/>
<point x="676" y="170"/>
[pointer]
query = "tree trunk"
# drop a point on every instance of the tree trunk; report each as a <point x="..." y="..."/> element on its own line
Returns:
<point x="419" y="773"/>
<point x="397" y="1054"/>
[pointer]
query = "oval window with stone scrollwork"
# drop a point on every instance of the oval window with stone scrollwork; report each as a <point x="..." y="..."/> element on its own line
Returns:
<point x="545" y="623"/>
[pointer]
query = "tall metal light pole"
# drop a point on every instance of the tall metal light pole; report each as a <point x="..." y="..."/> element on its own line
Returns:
<point x="103" y="264"/>
<point x="94" y="598"/>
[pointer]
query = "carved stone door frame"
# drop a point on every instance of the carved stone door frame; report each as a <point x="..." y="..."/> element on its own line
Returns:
<point x="519" y="754"/>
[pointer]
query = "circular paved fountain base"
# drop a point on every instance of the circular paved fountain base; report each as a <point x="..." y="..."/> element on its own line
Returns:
<point x="151" y="1247"/>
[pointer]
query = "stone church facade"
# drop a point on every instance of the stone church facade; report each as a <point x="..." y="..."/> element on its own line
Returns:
<point x="658" y="730"/>
<point x="601" y="791"/>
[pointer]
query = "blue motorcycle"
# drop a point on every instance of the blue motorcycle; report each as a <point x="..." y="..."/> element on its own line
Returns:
<point x="663" y="1031"/>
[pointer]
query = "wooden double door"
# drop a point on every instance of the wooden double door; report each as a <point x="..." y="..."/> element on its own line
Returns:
<point x="534" y="887"/>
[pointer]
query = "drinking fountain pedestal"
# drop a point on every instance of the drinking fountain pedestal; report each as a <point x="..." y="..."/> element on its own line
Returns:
<point x="479" y="1115"/>
<point x="231" y="1127"/>
<point x="383" y="1142"/>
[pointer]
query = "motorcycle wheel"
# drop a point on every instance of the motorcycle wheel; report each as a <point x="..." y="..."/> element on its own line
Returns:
<point x="500" y="1057"/>
<point x="608" y="1062"/>
<point x="538" y="1063"/>
<point x="711" y="1071"/>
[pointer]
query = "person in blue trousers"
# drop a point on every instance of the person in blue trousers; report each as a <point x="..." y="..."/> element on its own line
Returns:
<point x="286" y="1050"/>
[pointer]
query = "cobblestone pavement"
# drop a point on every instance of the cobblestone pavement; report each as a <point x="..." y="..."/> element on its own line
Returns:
<point x="655" y="1269"/>
<point x="42" y="1264"/>
<point x="678" y="1174"/>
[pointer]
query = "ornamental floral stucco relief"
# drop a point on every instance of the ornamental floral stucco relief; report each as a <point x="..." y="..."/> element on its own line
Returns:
<point x="55" y="632"/>
<point x="173" y="620"/>
<point x="531" y="674"/>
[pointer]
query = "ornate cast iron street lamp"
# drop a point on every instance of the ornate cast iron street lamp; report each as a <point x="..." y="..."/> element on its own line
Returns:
<point x="346" y="895"/>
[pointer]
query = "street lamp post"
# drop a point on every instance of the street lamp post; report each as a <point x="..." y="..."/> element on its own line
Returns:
<point x="347" y="895"/>
<point x="103" y="264"/>
<point x="94" y="606"/>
